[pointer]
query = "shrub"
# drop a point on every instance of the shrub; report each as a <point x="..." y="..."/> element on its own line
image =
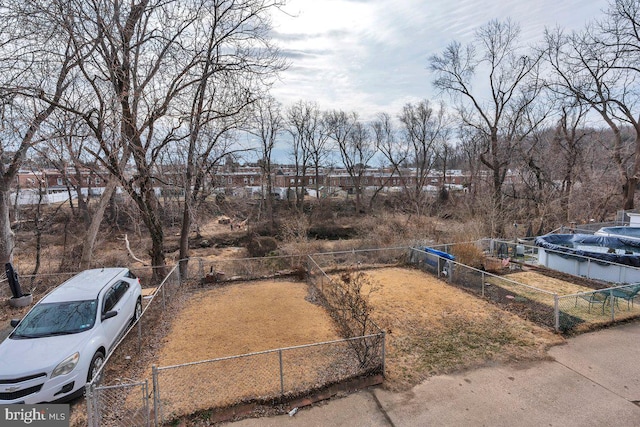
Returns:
<point x="260" y="246"/>
<point x="468" y="254"/>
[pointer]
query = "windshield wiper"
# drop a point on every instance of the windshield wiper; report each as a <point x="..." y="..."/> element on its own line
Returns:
<point x="49" y="334"/>
<point x="23" y="336"/>
<point x="53" y="334"/>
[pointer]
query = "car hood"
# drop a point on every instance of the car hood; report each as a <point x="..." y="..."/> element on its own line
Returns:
<point x="35" y="355"/>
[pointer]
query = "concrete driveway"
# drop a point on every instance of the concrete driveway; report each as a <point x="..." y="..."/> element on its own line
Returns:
<point x="593" y="380"/>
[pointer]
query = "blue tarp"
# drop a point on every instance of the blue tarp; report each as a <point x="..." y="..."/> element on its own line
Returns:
<point x="440" y="253"/>
<point x="564" y="243"/>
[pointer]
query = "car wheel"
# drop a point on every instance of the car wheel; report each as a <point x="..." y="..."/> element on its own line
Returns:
<point x="95" y="367"/>
<point x="138" y="311"/>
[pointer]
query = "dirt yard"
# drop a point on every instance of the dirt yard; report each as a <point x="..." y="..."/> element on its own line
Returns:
<point x="431" y="327"/>
<point x="245" y="318"/>
<point x="586" y="315"/>
<point x="239" y="319"/>
<point x="551" y="284"/>
<point x="434" y="328"/>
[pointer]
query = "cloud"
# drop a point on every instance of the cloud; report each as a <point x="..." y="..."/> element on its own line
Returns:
<point x="371" y="56"/>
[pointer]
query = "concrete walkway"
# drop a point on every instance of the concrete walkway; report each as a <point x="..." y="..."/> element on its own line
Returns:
<point x="594" y="380"/>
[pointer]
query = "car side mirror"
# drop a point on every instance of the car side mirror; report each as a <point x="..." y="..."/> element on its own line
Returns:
<point x="109" y="315"/>
<point x="14" y="322"/>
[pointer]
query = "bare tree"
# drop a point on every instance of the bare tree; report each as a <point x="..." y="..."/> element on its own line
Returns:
<point x="319" y="149"/>
<point x="393" y="149"/>
<point x="356" y="146"/>
<point x="143" y="66"/>
<point x="425" y="131"/>
<point x="28" y="71"/>
<point x="266" y="125"/>
<point x="570" y="137"/>
<point x="598" y="66"/>
<point x="303" y="119"/>
<point x="227" y="85"/>
<point x="509" y="71"/>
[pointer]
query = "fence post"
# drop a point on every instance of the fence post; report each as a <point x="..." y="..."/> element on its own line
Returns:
<point x="91" y="422"/>
<point x="281" y="372"/>
<point x="140" y="333"/>
<point x="384" y="352"/>
<point x="613" y="308"/>
<point x="156" y="396"/>
<point x="200" y="269"/>
<point x="164" y="304"/>
<point x="556" y="310"/>
<point x="483" y="284"/>
<point x="145" y="402"/>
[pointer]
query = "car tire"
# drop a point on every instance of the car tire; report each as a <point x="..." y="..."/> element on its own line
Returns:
<point x="137" y="312"/>
<point x="95" y="366"/>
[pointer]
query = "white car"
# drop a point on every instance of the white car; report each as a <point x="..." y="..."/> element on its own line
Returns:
<point x="63" y="340"/>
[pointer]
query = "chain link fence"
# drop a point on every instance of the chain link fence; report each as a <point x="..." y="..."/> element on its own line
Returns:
<point x="527" y="301"/>
<point x="360" y="259"/>
<point x="582" y="310"/>
<point x="115" y="401"/>
<point x="225" y="270"/>
<point x="118" y="405"/>
<point x="276" y="375"/>
<point x="569" y="313"/>
<point x="37" y="285"/>
<point x="264" y="377"/>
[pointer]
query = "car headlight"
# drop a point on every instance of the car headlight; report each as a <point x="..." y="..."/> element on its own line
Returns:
<point x="66" y="365"/>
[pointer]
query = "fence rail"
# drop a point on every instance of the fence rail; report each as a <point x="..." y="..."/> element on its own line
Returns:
<point x="110" y="401"/>
<point x="282" y="373"/>
<point x="273" y="374"/>
<point x="261" y="376"/>
<point x="565" y="313"/>
<point x="223" y="270"/>
<point x="598" y="307"/>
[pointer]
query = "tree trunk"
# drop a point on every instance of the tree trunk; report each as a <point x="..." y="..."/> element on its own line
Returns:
<point x="184" y="236"/>
<point x="94" y="226"/>
<point x="629" y="192"/>
<point x="7" y="241"/>
<point x="269" y="200"/>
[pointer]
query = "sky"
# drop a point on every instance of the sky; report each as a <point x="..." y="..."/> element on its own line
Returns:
<point x="370" y="56"/>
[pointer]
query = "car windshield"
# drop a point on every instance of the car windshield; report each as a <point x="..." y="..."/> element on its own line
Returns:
<point x="58" y="318"/>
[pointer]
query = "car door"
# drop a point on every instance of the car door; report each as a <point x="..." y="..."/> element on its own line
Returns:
<point x="115" y="299"/>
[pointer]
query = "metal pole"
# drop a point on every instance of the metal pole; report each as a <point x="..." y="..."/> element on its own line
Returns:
<point x="384" y="355"/>
<point x="556" y="310"/>
<point x="281" y="372"/>
<point x="140" y="333"/>
<point x="90" y="408"/>
<point x="145" y="401"/>
<point x="613" y="311"/>
<point x="156" y="396"/>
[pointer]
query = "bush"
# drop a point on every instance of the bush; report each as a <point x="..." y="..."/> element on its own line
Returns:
<point x="468" y="254"/>
<point x="260" y="246"/>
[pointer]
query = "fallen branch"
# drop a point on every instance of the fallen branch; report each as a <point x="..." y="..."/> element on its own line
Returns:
<point x="126" y="241"/>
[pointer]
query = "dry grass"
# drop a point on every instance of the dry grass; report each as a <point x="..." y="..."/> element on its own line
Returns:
<point x="245" y="318"/>
<point x="239" y="319"/>
<point x="540" y="281"/>
<point x="576" y="307"/>
<point x="434" y="328"/>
